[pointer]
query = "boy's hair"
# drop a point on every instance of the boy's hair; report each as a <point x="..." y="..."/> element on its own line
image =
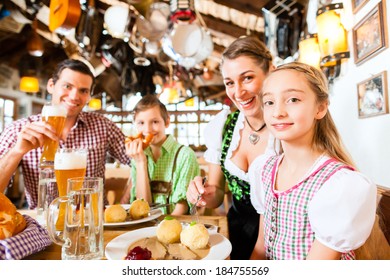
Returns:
<point x="326" y="137"/>
<point x="249" y="47"/>
<point x="150" y="101"/>
<point x="75" y="65"/>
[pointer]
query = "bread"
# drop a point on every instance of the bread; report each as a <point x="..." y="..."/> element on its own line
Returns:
<point x="146" y="140"/>
<point x="115" y="214"/>
<point x="7" y="217"/>
<point x="196" y="236"/>
<point x="168" y="231"/>
<point x="139" y="209"/>
<point x="20" y="223"/>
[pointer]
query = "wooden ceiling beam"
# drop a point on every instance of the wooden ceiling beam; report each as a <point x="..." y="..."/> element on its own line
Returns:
<point x="245" y="6"/>
<point x="228" y="27"/>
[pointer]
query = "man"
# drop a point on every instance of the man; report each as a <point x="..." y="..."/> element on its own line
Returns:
<point x="21" y="142"/>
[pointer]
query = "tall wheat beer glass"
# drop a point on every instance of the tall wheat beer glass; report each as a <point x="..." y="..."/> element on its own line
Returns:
<point x="55" y="115"/>
<point x="68" y="163"/>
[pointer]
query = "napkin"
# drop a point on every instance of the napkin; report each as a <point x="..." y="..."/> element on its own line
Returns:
<point x="33" y="239"/>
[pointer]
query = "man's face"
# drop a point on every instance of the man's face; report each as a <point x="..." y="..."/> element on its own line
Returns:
<point x="72" y="90"/>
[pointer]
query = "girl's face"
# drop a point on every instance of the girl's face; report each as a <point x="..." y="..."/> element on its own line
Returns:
<point x="243" y="80"/>
<point x="290" y="107"/>
<point x="151" y="121"/>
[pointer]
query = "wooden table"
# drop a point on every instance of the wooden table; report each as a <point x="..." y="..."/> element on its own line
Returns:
<point x="53" y="252"/>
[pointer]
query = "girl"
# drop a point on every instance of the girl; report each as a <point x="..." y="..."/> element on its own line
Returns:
<point x="235" y="139"/>
<point x="161" y="172"/>
<point x="315" y="205"/>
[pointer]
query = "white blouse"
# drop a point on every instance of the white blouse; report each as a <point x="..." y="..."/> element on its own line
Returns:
<point x="341" y="213"/>
<point x="213" y="141"/>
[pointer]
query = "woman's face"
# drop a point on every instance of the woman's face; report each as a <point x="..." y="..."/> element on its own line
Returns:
<point x="243" y="80"/>
<point x="151" y="121"/>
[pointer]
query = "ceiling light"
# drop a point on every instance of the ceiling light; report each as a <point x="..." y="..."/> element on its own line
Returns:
<point x="29" y="84"/>
<point x="35" y="43"/>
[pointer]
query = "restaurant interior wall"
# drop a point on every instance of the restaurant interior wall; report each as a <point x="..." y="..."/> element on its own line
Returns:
<point x="367" y="139"/>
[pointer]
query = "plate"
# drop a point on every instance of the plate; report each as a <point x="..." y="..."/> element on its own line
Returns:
<point x="153" y="214"/>
<point x="116" y="249"/>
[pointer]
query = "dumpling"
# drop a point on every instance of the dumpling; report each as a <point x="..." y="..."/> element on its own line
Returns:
<point x="139" y="209"/>
<point x="115" y="214"/>
<point x="195" y="236"/>
<point x="168" y="231"/>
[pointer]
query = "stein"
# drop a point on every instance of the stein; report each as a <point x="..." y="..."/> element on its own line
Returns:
<point x="55" y="115"/>
<point x="82" y="235"/>
<point x="68" y="163"/>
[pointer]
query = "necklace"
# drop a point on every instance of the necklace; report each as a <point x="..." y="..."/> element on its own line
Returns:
<point x="253" y="137"/>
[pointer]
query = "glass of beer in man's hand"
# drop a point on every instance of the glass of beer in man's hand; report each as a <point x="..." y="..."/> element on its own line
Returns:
<point x="55" y="115"/>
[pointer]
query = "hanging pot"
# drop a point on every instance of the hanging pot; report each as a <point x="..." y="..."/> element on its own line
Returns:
<point x="116" y="21"/>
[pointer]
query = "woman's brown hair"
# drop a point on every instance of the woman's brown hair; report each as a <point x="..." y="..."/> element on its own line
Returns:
<point x="250" y="47"/>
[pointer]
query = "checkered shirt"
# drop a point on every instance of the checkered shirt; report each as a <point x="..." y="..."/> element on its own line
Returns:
<point x="187" y="168"/>
<point x="32" y="239"/>
<point x="92" y="131"/>
<point x="287" y="230"/>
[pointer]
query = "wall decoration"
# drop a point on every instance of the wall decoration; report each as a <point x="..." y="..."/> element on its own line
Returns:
<point x="372" y="96"/>
<point x="369" y="35"/>
<point x="357" y="5"/>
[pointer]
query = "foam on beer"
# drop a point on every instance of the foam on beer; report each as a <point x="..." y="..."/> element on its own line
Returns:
<point x="54" y="111"/>
<point x="67" y="161"/>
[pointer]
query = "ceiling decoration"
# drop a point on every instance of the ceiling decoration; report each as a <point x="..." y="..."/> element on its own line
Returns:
<point x="129" y="52"/>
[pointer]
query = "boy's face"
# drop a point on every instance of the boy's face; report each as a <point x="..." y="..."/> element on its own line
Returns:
<point x="151" y="121"/>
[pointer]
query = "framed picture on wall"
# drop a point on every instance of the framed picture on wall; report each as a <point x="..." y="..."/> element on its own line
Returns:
<point x="372" y="96"/>
<point x="369" y="35"/>
<point x="357" y="5"/>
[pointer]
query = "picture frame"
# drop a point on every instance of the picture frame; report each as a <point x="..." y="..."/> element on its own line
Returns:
<point x="372" y="96"/>
<point x="357" y="5"/>
<point x="369" y="35"/>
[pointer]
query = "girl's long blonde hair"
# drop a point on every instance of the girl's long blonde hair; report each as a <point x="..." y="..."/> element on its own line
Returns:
<point x="326" y="137"/>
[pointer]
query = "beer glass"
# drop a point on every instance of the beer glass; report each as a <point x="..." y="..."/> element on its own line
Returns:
<point x="55" y="115"/>
<point x="82" y="237"/>
<point x="68" y="163"/>
<point x="47" y="191"/>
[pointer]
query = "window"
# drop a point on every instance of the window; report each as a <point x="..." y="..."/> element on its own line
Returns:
<point x="188" y="121"/>
<point x="7" y="111"/>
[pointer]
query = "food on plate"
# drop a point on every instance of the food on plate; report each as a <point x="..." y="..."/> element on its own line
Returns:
<point x="115" y="214"/>
<point x="138" y="253"/>
<point x="171" y="242"/>
<point x="139" y="209"/>
<point x="195" y="236"/>
<point x="168" y="231"/>
<point x="11" y="221"/>
<point x="145" y="139"/>
<point x="178" y="251"/>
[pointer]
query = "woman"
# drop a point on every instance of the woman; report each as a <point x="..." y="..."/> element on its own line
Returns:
<point x="162" y="171"/>
<point x="235" y="140"/>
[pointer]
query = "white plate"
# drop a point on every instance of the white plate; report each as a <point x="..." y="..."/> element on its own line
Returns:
<point x="153" y="214"/>
<point x="116" y="249"/>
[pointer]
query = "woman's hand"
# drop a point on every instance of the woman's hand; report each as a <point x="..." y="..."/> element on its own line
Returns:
<point x="199" y="187"/>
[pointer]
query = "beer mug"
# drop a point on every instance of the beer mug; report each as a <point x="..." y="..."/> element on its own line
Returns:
<point x="68" y="163"/>
<point x="55" y="115"/>
<point x="82" y="236"/>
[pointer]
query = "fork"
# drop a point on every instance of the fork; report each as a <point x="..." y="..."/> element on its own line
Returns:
<point x="193" y="210"/>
